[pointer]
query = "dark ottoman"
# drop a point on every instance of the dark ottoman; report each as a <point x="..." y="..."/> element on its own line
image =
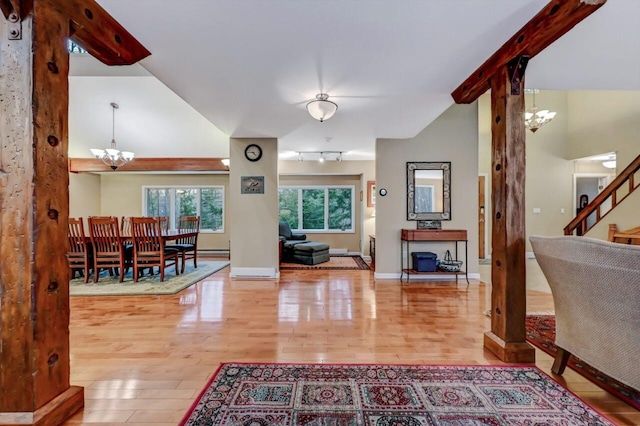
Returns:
<point x="311" y="253"/>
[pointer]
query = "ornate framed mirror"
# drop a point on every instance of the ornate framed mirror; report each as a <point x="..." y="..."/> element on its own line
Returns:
<point x="429" y="190"/>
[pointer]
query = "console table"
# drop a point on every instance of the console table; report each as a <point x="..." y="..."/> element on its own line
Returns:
<point x="372" y="248"/>
<point x="454" y="236"/>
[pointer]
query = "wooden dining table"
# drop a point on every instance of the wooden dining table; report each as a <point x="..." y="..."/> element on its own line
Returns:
<point x="170" y="235"/>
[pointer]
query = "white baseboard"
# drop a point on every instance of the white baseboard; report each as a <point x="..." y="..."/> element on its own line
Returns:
<point x="260" y="273"/>
<point x="338" y="251"/>
<point x="527" y="255"/>
<point x="381" y="276"/>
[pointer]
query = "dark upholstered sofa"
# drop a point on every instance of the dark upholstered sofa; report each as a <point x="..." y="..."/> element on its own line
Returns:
<point x="290" y="240"/>
<point x="296" y="248"/>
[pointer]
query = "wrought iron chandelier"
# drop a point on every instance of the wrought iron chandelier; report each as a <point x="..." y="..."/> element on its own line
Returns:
<point x="112" y="157"/>
<point x="534" y="118"/>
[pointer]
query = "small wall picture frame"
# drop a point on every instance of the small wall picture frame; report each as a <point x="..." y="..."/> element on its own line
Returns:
<point x="429" y="224"/>
<point x="371" y="193"/>
<point x="252" y="184"/>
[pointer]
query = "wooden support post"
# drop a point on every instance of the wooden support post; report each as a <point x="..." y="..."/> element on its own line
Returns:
<point x="505" y="76"/>
<point x="507" y="338"/>
<point x="34" y="207"/>
<point x="34" y="199"/>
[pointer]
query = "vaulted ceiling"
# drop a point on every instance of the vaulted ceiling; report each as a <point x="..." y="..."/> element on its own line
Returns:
<point x="247" y="68"/>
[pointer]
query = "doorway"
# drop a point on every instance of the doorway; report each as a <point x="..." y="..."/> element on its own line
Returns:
<point x="586" y="187"/>
<point x="482" y="213"/>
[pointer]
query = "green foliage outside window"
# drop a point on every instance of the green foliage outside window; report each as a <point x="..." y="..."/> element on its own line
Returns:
<point x="323" y="208"/>
<point x="313" y="208"/>
<point x="208" y="203"/>
<point x="158" y="202"/>
<point x="288" y="206"/>
<point x="340" y="208"/>
<point x="211" y="202"/>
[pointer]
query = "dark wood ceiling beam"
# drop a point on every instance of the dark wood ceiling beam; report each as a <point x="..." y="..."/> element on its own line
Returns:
<point x="100" y="34"/>
<point x="551" y="23"/>
<point x="9" y="6"/>
<point x="77" y="165"/>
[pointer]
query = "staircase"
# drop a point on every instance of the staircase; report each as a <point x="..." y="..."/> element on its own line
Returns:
<point x="630" y="236"/>
<point x="621" y="187"/>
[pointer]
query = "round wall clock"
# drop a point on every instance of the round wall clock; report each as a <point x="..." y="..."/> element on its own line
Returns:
<point x="382" y="192"/>
<point x="253" y="152"/>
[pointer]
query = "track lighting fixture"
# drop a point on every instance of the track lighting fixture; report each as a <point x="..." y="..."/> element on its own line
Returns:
<point x="323" y="155"/>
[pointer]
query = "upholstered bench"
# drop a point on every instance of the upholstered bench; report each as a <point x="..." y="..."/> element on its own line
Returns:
<point x="311" y="253"/>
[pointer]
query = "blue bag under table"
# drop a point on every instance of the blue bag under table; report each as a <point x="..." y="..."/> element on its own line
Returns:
<point x="424" y="261"/>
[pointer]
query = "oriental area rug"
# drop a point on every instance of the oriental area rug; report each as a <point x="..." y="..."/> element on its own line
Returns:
<point x="385" y="395"/>
<point x="343" y="262"/>
<point x="541" y="332"/>
<point x="148" y="284"/>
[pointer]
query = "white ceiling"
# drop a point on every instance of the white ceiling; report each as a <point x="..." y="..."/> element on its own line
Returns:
<point x="246" y="68"/>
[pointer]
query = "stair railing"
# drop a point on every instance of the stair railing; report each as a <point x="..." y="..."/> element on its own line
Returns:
<point x="626" y="177"/>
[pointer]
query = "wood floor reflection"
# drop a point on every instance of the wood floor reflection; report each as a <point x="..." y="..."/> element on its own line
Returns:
<point x="143" y="359"/>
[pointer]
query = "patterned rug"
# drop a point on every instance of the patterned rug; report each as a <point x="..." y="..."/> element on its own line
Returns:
<point x="147" y="284"/>
<point x="345" y="262"/>
<point x="385" y="395"/>
<point x="541" y="332"/>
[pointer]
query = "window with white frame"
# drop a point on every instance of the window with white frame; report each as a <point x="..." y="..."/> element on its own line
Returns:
<point x="177" y="201"/>
<point x="317" y="208"/>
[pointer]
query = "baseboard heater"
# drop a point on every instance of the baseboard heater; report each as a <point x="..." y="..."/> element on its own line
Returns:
<point x="214" y="252"/>
<point x="338" y="251"/>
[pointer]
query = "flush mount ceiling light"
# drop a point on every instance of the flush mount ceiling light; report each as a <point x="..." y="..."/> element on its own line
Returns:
<point x="111" y="156"/>
<point x="534" y="118"/>
<point x="322" y="108"/>
<point x="610" y="163"/>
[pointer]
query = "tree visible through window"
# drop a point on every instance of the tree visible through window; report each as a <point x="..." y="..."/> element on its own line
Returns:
<point x="317" y="208"/>
<point x="313" y="209"/>
<point x="175" y="202"/>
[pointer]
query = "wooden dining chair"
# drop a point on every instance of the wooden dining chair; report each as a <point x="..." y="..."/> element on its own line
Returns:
<point x="108" y="248"/>
<point x="125" y="226"/>
<point x="188" y="245"/>
<point x="164" y="223"/>
<point x="79" y="255"/>
<point x="148" y="247"/>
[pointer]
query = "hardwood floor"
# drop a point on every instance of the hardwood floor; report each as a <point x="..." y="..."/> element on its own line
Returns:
<point x="143" y="359"/>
